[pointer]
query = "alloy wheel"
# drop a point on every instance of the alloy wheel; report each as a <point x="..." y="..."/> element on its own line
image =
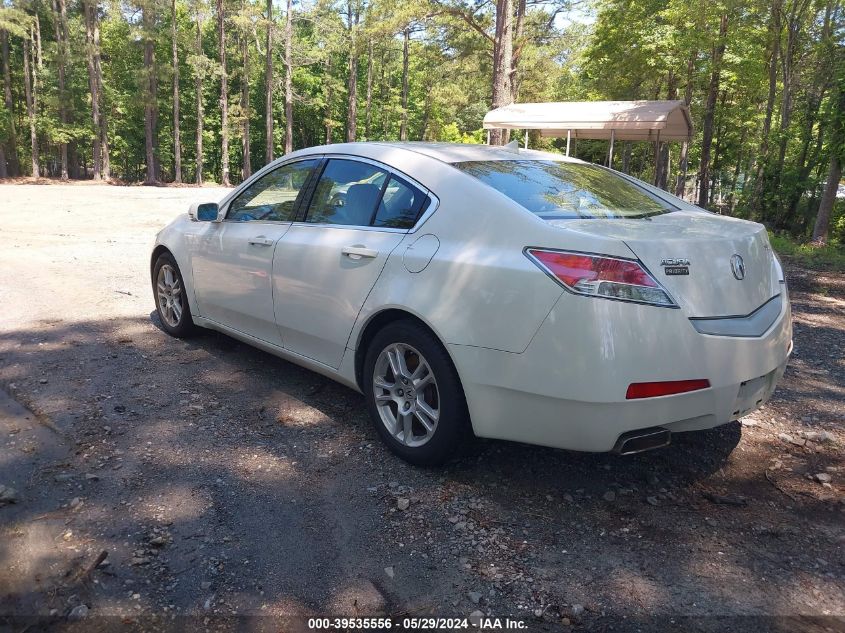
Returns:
<point x="169" y="295"/>
<point x="406" y="394"/>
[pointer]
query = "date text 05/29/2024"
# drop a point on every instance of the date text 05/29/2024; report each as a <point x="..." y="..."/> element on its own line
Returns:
<point x="475" y="621"/>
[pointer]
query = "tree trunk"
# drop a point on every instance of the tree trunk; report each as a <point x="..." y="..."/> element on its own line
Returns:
<point x="517" y="46"/>
<point x="246" y="171"/>
<point x="716" y="169"/>
<point x="502" y="59"/>
<point x="805" y="162"/>
<point x="73" y="160"/>
<point x="385" y="93"/>
<point x="683" y="165"/>
<point x="177" y="142"/>
<point x="762" y="156"/>
<point x="329" y="95"/>
<point x="289" y="78"/>
<point x="403" y="129"/>
<point x="793" y="32"/>
<point x="426" y="112"/>
<point x="822" y="225"/>
<point x="149" y="97"/>
<point x="814" y="95"/>
<point x="198" y="81"/>
<point x="368" y="115"/>
<point x="662" y="176"/>
<point x="834" y="174"/>
<point x="39" y="56"/>
<point x="683" y="159"/>
<point x="224" y="96"/>
<point x="12" y="154"/>
<point x="737" y="167"/>
<point x="626" y="157"/>
<point x="60" y="11"/>
<point x="90" y="9"/>
<point x="28" y="78"/>
<point x="352" y="83"/>
<point x="268" y="86"/>
<point x="710" y="111"/>
<point x="663" y="158"/>
<point x="98" y="76"/>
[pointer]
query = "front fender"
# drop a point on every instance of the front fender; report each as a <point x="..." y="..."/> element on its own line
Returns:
<point x="172" y="238"/>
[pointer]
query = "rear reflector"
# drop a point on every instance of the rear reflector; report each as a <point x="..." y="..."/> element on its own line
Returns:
<point x="638" y="390"/>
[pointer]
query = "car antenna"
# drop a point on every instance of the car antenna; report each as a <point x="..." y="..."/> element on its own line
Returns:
<point x="513" y="146"/>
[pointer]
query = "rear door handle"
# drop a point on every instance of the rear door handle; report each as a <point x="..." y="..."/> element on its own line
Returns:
<point x="357" y="252"/>
<point x="261" y="241"/>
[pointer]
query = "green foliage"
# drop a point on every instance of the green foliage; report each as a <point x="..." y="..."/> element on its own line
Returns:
<point x="828" y="257"/>
<point x="15" y="21"/>
<point x="618" y="49"/>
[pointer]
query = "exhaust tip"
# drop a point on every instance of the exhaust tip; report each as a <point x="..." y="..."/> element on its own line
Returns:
<point x="641" y="440"/>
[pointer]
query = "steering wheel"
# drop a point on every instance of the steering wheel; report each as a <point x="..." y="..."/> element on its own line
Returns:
<point x="338" y="199"/>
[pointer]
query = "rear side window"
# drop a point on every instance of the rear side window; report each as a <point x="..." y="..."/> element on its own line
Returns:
<point x="347" y="193"/>
<point x="354" y="193"/>
<point x="400" y="205"/>
<point x="556" y="190"/>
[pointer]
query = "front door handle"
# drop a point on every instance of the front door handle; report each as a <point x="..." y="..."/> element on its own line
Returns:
<point x="357" y="252"/>
<point x="261" y="241"/>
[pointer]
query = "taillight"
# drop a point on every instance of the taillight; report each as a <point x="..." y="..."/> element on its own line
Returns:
<point x="602" y="276"/>
<point x="637" y="390"/>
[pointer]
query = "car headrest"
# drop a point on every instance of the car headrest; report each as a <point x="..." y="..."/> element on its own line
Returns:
<point x="360" y="203"/>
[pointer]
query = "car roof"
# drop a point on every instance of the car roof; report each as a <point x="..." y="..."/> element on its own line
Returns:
<point x="444" y="152"/>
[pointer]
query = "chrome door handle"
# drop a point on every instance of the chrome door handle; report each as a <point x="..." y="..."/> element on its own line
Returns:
<point x="261" y="241"/>
<point x="357" y="252"/>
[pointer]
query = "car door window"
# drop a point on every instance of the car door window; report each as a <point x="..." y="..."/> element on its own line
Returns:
<point x="272" y="197"/>
<point x="347" y="193"/>
<point x="400" y="206"/>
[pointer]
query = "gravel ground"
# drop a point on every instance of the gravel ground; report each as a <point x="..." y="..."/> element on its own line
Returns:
<point x="222" y="482"/>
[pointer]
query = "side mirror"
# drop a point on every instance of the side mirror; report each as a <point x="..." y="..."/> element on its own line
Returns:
<point x="205" y="212"/>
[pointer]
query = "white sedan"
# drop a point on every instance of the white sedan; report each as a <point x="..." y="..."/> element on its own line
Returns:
<point x="468" y="289"/>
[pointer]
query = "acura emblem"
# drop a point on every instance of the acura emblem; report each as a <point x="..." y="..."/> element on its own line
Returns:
<point x="738" y="267"/>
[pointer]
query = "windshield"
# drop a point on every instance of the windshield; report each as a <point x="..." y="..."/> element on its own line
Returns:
<point x="556" y="190"/>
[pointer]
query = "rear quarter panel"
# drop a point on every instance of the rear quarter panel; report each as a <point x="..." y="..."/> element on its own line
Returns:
<point x="479" y="288"/>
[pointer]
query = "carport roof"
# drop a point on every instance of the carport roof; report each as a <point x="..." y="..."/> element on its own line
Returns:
<point x="628" y="120"/>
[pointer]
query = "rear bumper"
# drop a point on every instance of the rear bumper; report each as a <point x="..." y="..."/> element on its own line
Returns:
<point x="567" y="390"/>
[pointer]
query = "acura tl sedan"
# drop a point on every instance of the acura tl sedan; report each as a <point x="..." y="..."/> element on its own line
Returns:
<point x="493" y="291"/>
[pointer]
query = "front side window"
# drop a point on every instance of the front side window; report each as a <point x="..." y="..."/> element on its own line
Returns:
<point x="272" y="197"/>
<point x="347" y="193"/>
<point x="556" y="190"/>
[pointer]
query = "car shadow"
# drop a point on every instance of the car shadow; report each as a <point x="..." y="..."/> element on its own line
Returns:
<point x="690" y="456"/>
<point x="236" y="455"/>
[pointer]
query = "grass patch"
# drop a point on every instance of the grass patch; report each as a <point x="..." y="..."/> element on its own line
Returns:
<point x="830" y="257"/>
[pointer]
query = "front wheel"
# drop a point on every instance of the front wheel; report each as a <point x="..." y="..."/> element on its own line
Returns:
<point x="414" y="394"/>
<point x="171" y="298"/>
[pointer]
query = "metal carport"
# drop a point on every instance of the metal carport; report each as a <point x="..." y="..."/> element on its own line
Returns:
<point x="653" y="121"/>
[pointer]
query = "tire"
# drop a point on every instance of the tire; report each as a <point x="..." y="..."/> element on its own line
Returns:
<point x="391" y="403"/>
<point x="171" y="298"/>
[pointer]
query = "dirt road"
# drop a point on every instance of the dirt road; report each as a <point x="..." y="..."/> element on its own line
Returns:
<point x="222" y="482"/>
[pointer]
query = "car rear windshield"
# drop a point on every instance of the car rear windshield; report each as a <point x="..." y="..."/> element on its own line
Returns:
<point x="557" y="190"/>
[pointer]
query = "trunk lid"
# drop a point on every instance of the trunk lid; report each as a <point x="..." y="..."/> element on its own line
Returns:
<point x="708" y="242"/>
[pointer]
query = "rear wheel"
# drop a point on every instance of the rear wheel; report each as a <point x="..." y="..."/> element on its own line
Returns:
<point x="414" y="394"/>
<point x="171" y="298"/>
